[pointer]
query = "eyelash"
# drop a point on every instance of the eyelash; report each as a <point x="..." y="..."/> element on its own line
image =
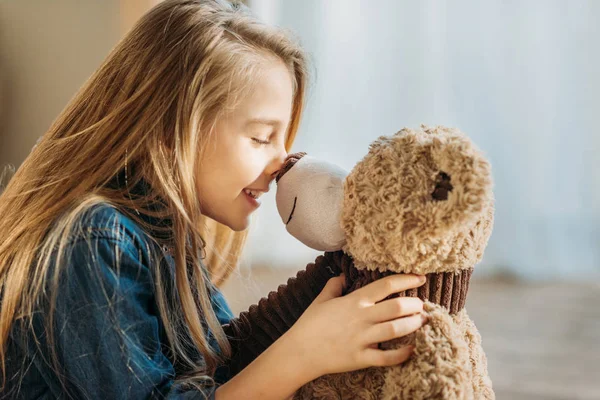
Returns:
<point x="261" y="142"/>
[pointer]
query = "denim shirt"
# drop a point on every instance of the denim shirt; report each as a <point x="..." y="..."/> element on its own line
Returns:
<point x="108" y="333"/>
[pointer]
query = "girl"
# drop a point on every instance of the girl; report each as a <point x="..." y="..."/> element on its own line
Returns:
<point x="132" y="209"/>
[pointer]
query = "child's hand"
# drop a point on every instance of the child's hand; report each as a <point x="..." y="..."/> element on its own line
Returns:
<point x="339" y="334"/>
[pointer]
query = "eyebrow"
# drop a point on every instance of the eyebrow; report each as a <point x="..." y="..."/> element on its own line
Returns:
<point x="264" y="121"/>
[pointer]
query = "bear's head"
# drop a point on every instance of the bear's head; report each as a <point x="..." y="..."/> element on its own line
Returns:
<point x="420" y="201"/>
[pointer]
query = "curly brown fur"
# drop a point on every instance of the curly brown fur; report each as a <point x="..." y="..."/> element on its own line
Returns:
<point x="364" y="384"/>
<point x="482" y="384"/>
<point x="439" y="368"/>
<point x="395" y="215"/>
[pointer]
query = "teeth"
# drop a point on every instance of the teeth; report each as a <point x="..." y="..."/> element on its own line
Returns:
<point x="253" y="194"/>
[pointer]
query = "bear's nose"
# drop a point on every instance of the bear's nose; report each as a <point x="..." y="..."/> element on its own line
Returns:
<point x="289" y="162"/>
<point x="442" y="187"/>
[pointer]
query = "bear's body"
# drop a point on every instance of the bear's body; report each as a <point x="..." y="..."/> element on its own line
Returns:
<point x="421" y="202"/>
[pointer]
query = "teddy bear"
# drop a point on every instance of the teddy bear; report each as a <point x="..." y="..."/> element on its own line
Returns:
<point x="420" y="201"/>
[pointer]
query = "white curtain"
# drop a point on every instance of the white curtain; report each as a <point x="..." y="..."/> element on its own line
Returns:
<point x="519" y="77"/>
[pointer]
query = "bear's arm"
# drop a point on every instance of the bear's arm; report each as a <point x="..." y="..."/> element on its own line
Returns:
<point x="253" y="331"/>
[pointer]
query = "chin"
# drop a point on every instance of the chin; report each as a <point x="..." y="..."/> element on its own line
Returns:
<point x="238" y="226"/>
<point x="235" y="221"/>
<point x="235" y="224"/>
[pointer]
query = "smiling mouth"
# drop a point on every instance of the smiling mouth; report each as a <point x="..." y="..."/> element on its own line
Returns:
<point x="292" y="213"/>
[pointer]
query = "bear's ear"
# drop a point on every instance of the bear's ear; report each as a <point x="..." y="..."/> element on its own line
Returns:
<point x="413" y="188"/>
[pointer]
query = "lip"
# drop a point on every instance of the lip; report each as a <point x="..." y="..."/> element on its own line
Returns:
<point x="258" y="190"/>
<point x="255" y="203"/>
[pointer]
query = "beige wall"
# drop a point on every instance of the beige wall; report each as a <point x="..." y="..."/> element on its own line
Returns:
<point x="47" y="51"/>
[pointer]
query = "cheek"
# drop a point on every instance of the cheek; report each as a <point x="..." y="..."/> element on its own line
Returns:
<point x="249" y="166"/>
<point x="225" y="173"/>
<point x="208" y="184"/>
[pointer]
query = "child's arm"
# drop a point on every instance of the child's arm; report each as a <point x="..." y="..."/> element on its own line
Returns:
<point x="106" y="331"/>
<point x="255" y="330"/>
<point x="331" y="332"/>
<point x="275" y="374"/>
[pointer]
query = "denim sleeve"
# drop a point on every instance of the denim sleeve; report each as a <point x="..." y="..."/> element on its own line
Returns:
<point x="107" y="327"/>
<point x="224" y="315"/>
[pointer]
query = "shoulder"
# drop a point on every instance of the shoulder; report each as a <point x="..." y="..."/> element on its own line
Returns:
<point x="106" y="220"/>
<point x="106" y="262"/>
<point x="105" y="223"/>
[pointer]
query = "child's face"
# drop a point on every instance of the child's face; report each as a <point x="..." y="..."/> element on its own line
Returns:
<point x="236" y="160"/>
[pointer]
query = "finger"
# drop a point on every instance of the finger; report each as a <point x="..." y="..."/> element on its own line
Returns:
<point x="382" y="288"/>
<point x="332" y="289"/>
<point x="386" y="358"/>
<point x="394" y="308"/>
<point x="395" y="328"/>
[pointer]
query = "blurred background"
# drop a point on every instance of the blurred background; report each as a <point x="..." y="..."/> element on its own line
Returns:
<point x="519" y="77"/>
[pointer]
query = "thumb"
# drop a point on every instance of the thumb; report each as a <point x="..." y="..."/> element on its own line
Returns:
<point x="332" y="289"/>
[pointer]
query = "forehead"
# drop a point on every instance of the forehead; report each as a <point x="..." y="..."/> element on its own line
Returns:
<point x="269" y="99"/>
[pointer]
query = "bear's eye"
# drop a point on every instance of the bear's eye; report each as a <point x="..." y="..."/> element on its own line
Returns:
<point x="442" y="187"/>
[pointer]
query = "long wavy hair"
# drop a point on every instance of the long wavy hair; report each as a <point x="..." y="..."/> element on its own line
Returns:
<point x="148" y="113"/>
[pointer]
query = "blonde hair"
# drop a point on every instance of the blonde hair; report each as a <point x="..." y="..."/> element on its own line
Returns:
<point x="148" y="112"/>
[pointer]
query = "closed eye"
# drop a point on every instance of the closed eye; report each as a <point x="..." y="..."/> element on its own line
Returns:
<point x="262" y="142"/>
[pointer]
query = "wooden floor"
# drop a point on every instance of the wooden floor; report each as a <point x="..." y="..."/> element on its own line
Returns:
<point x="542" y="341"/>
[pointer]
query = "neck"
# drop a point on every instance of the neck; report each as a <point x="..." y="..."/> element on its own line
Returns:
<point x="448" y="289"/>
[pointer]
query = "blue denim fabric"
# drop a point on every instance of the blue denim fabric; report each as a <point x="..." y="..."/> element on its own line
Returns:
<point x="109" y="336"/>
